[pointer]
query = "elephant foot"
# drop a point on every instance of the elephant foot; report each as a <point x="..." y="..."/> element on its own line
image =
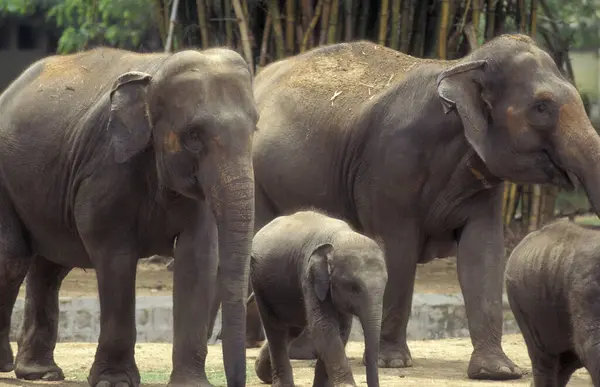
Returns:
<point x="102" y="375"/>
<point x="492" y="365"/>
<point x="302" y="348"/>
<point x="262" y="365"/>
<point x="393" y="356"/>
<point x="34" y="371"/>
<point x="7" y="362"/>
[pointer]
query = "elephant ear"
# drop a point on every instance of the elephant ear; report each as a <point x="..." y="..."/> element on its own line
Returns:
<point x="458" y="88"/>
<point x="129" y="122"/>
<point x="320" y="265"/>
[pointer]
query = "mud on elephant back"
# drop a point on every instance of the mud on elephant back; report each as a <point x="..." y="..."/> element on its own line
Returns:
<point x="418" y="162"/>
<point x="106" y="157"/>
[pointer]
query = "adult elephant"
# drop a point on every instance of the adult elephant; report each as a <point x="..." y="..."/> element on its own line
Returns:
<point x="107" y="156"/>
<point x="413" y="152"/>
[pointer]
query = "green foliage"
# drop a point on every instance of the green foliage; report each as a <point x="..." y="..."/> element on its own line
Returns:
<point x="118" y="23"/>
<point x="578" y="22"/>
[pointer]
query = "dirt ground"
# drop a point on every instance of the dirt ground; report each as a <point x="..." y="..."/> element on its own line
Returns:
<point x="438" y="276"/>
<point x="436" y="363"/>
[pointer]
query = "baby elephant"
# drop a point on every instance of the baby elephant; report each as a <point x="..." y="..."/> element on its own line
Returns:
<point x="312" y="271"/>
<point x="553" y="287"/>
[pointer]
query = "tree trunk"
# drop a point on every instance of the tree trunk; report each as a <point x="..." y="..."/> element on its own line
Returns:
<point x="203" y="23"/>
<point x="333" y="21"/>
<point x="443" y="29"/>
<point x="405" y="26"/>
<point x="311" y="27"/>
<point x="383" y="22"/>
<point x="349" y="19"/>
<point x="160" y="21"/>
<point x="290" y="25"/>
<point x="533" y="19"/>
<point x="277" y="29"/>
<point x="396" y="27"/>
<point x="239" y="13"/>
<point x="228" y="25"/>
<point x="324" y="21"/>
<point x="264" y="46"/>
<point x="521" y="19"/>
<point x="476" y="18"/>
<point x="363" y="19"/>
<point x="490" y="18"/>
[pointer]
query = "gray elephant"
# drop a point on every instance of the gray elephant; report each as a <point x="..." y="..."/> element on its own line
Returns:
<point x="107" y="156"/>
<point x="309" y="270"/>
<point x="553" y="287"/>
<point x="415" y="151"/>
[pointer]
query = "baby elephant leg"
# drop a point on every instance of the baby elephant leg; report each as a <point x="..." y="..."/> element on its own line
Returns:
<point x="569" y="362"/>
<point x="332" y="369"/>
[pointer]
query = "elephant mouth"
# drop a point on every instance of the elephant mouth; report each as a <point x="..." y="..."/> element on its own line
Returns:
<point x="561" y="177"/>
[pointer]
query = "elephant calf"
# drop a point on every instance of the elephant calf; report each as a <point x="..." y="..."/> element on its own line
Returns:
<point x="553" y="287"/>
<point x="312" y="271"/>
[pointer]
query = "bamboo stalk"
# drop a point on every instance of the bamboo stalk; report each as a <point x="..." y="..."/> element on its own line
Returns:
<point x="443" y="29"/>
<point x="363" y="18"/>
<point x="476" y="17"/>
<point x="395" y="34"/>
<point x="419" y="29"/>
<point x="307" y="14"/>
<point x="512" y="201"/>
<point x="490" y="18"/>
<point x="333" y="21"/>
<point x="324" y="21"/>
<point x="202" y="22"/>
<point x="262" y="60"/>
<point x="313" y="23"/>
<point x="246" y="45"/>
<point x="172" y="25"/>
<point x="228" y="25"/>
<point x="404" y="37"/>
<point x="383" y="21"/>
<point x="277" y="29"/>
<point x="290" y="25"/>
<point x="526" y="205"/>
<point x="521" y="18"/>
<point x="499" y="19"/>
<point x="160" y="21"/>
<point x="349" y="19"/>
<point x="533" y="18"/>
<point x="535" y="208"/>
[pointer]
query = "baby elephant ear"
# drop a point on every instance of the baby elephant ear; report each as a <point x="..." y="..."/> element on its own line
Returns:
<point x="321" y="269"/>
<point x="129" y="122"/>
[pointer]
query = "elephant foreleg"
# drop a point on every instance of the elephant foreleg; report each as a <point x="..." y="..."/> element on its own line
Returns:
<point x="480" y="265"/>
<point x="402" y="245"/>
<point x="15" y="259"/>
<point x="35" y="358"/>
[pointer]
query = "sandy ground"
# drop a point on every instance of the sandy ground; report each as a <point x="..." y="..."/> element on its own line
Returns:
<point x="438" y="276"/>
<point x="436" y="363"/>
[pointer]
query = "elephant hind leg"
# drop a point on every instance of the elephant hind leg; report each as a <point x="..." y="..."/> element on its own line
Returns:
<point x="35" y="358"/>
<point x="15" y="259"/>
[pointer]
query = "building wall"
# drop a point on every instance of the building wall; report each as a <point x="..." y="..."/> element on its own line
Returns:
<point x="22" y="42"/>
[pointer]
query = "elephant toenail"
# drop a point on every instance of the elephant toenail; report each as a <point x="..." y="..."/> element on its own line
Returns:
<point x="504" y="370"/>
<point x="52" y="376"/>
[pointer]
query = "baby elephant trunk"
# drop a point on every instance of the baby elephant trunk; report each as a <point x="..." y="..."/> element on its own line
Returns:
<point x="371" y="324"/>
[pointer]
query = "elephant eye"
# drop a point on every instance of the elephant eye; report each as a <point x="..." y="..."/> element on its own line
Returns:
<point x="541" y="107"/>
<point x="193" y="141"/>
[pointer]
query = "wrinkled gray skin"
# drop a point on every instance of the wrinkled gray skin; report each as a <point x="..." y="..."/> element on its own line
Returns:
<point x="414" y="152"/>
<point x="107" y="156"/>
<point x="553" y="287"/>
<point x="310" y="270"/>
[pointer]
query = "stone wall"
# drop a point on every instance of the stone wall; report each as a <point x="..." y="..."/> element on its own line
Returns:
<point x="433" y="316"/>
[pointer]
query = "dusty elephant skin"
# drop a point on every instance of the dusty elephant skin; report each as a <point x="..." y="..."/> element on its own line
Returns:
<point x="107" y="156"/>
<point x="413" y="152"/>
<point x="553" y="285"/>
<point x="310" y="271"/>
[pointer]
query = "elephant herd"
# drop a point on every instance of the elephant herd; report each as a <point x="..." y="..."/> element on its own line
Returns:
<point x="348" y="165"/>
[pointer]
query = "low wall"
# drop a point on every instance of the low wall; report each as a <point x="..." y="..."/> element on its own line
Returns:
<point x="433" y="316"/>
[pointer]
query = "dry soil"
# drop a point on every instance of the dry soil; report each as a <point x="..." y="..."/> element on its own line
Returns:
<point x="436" y="363"/>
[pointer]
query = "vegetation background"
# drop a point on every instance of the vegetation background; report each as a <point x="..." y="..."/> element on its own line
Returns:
<point x="267" y="30"/>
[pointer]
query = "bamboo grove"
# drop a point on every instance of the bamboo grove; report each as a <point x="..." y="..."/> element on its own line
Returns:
<point x="267" y="30"/>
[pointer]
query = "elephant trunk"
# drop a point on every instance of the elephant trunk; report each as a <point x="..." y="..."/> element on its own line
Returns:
<point x="579" y="150"/>
<point x="371" y="324"/>
<point x="233" y="206"/>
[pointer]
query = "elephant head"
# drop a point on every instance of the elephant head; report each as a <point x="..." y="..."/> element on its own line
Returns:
<point x="199" y="116"/>
<point x="354" y="271"/>
<point x="522" y="117"/>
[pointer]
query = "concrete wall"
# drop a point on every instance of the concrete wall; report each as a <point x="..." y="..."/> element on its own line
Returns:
<point x="433" y="317"/>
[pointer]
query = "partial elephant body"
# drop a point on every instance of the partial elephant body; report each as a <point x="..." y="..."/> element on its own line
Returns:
<point x="312" y="271"/>
<point x="413" y="152"/>
<point x="107" y="156"/>
<point x="553" y="287"/>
